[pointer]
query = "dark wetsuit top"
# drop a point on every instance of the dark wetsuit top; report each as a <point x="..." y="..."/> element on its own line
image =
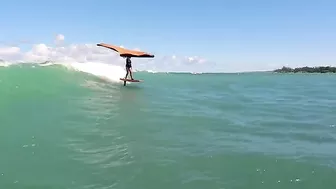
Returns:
<point x="128" y="63"/>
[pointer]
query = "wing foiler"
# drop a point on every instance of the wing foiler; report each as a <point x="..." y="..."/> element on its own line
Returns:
<point x="127" y="53"/>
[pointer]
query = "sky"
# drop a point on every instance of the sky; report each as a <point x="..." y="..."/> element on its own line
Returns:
<point x="223" y="35"/>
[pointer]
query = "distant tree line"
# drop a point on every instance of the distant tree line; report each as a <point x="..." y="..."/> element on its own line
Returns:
<point x="320" y="69"/>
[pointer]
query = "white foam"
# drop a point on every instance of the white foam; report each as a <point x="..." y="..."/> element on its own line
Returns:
<point x="4" y="64"/>
<point x="106" y="71"/>
<point x="151" y="71"/>
<point x="109" y="72"/>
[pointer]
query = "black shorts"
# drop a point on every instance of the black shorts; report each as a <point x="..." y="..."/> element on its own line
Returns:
<point x="128" y="65"/>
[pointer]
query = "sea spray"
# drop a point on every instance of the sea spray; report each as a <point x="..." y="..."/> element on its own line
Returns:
<point x="107" y="71"/>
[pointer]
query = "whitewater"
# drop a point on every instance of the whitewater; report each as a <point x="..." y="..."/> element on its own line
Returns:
<point x="110" y="72"/>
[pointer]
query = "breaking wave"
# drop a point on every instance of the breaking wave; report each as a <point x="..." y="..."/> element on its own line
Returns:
<point x="109" y="72"/>
<point x="105" y="71"/>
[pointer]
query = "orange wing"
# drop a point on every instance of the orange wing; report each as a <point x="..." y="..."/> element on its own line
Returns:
<point x="126" y="52"/>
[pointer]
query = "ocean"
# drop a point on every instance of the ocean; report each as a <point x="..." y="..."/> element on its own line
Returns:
<point x="77" y="127"/>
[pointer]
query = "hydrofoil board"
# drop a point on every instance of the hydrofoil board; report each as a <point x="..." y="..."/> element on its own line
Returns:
<point x="130" y="80"/>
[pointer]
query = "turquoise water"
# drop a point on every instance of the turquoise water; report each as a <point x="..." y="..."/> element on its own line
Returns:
<point x="61" y="128"/>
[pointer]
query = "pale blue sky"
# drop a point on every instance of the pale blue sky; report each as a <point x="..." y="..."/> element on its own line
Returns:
<point x="245" y="33"/>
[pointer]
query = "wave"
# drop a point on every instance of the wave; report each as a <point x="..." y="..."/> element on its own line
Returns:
<point x="108" y="72"/>
<point x="105" y="71"/>
<point x="4" y="63"/>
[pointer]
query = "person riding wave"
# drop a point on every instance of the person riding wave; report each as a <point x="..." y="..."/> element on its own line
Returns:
<point x="129" y="67"/>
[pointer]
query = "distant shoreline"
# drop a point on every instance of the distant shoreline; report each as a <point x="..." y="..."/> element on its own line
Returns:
<point x="306" y="69"/>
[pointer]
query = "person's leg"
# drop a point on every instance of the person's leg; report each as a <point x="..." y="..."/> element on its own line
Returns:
<point x="130" y="71"/>
<point x="126" y="72"/>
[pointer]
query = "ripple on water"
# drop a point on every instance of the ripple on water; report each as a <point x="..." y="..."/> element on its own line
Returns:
<point x="91" y="137"/>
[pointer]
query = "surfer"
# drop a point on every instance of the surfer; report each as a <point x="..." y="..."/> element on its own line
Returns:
<point x="129" y="67"/>
<point x="127" y="53"/>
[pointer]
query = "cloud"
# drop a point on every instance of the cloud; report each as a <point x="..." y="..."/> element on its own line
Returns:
<point x="90" y="53"/>
<point x="59" y="38"/>
<point x="9" y="53"/>
<point x="9" y="50"/>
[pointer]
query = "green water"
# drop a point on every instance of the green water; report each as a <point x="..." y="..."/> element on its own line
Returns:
<point x="61" y="128"/>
